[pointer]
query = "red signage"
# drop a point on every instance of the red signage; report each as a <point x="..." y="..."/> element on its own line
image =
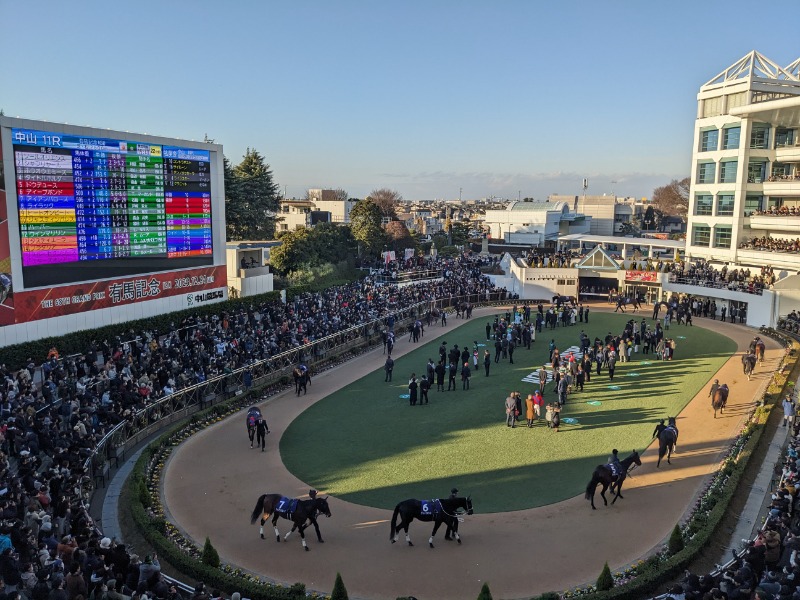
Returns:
<point x="641" y="276"/>
<point x="71" y="299"/>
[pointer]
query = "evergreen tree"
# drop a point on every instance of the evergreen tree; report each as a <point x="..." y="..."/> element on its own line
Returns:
<point x="209" y="555"/>
<point x="253" y="201"/>
<point x="675" y="543"/>
<point x="365" y="223"/>
<point x="485" y="593"/>
<point x="605" y="581"/>
<point x="339" y="591"/>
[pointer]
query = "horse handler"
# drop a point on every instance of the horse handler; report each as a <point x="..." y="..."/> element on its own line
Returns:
<point x="261" y="433"/>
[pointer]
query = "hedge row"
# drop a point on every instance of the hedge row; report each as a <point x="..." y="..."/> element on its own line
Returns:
<point x="16" y="356"/>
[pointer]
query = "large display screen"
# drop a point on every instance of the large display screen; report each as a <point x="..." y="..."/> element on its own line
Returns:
<point x="93" y="208"/>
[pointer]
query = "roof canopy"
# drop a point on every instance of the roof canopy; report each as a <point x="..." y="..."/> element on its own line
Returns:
<point x="756" y="65"/>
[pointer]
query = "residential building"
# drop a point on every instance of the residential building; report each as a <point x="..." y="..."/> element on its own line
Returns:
<point x="332" y="201"/>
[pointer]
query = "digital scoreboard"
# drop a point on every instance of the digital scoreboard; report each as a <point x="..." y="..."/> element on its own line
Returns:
<point x="92" y="208"/>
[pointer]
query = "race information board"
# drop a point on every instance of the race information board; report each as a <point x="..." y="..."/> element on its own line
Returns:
<point x="110" y="201"/>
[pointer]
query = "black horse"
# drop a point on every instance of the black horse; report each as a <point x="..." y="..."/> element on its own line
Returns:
<point x="749" y="364"/>
<point x="667" y="440"/>
<point x="720" y="399"/>
<point x="301" y="512"/>
<point x="604" y="474"/>
<point x="446" y="510"/>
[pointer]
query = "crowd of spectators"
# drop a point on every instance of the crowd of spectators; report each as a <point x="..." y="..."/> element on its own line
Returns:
<point x="768" y="244"/>
<point x="768" y="567"/>
<point x="703" y="274"/>
<point x="539" y="259"/>
<point x="779" y="211"/>
<point x="53" y="414"/>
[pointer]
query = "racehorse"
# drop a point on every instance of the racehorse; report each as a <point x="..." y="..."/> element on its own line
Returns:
<point x="720" y="399"/>
<point x="441" y="511"/>
<point x="760" y="348"/>
<point x="301" y="512"/>
<point x="253" y="415"/>
<point x="749" y="364"/>
<point x="604" y="474"/>
<point x="667" y="440"/>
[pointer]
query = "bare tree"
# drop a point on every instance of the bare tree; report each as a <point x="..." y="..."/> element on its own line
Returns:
<point x="673" y="199"/>
<point x="340" y="194"/>
<point x="386" y="200"/>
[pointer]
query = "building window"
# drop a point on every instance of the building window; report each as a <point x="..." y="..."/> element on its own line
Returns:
<point x="727" y="171"/>
<point x="708" y="140"/>
<point x="722" y="236"/>
<point x="705" y="172"/>
<point x="775" y="202"/>
<point x="735" y="100"/>
<point x="756" y="171"/>
<point x="561" y="282"/>
<point x="703" y="204"/>
<point x="724" y="205"/>
<point x="752" y="204"/>
<point x="784" y="137"/>
<point x="701" y="235"/>
<point x="759" y="137"/>
<point x="730" y="138"/>
<point x="779" y="171"/>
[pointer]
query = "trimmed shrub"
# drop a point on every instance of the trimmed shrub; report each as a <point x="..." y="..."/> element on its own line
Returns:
<point x="605" y="581"/>
<point x="339" y="591"/>
<point x="485" y="593"/>
<point x="209" y="556"/>
<point x="675" y="543"/>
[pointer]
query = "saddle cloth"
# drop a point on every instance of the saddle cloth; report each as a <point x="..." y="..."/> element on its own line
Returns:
<point x="286" y="506"/>
<point x="430" y="508"/>
<point x="673" y="429"/>
<point x="615" y="469"/>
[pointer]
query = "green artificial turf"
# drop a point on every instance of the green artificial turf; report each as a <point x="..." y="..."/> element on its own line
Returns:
<point x="365" y="444"/>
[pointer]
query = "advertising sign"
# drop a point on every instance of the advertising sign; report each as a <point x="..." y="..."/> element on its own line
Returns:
<point x="198" y="285"/>
<point x="641" y="276"/>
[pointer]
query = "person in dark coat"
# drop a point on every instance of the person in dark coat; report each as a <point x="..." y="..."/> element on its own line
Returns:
<point x="466" y="373"/>
<point x="389" y="367"/>
<point x="412" y="389"/>
<point x="439" y="370"/>
<point x="424" y="386"/>
<point x="487" y="361"/>
<point x="261" y="433"/>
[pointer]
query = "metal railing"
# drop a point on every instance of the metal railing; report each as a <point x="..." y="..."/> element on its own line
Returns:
<point x="733" y="286"/>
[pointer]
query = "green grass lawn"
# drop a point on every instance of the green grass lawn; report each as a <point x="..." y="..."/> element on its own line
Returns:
<point x="365" y="444"/>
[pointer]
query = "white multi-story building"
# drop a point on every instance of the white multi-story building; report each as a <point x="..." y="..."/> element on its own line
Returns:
<point x="746" y="166"/>
<point x="744" y="205"/>
<point x="331" y="201"/>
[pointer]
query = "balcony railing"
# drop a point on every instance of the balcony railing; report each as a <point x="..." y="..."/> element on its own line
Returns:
<point x="733" y="286"/>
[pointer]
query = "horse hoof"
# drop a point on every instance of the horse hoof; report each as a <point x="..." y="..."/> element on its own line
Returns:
<point x="321" y="541"/>
<point x="410" y="543"/>
<point x="459" y="541"/>
<point x="431" y="545"/>
<point x="393" y="541"/>
<point x="262" y="536"/>
<point x="278" y="539"/>
<point x="307" y="548"/>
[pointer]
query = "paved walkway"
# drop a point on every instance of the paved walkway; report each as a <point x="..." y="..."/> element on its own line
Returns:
<point x="213" y="480"/>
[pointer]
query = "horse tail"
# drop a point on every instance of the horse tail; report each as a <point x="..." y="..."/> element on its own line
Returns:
<point x="592" y="486"/>
<point x="257" y="509"/>
<point x="394" y="522"/>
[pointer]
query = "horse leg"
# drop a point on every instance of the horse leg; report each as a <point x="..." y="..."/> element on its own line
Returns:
<point x="303" y="537"/>
<point x="603" y="494"/>
<point x="618" y="494"/>
<point x="408" y="538"/>
<point x="275" y="527"/>
<point x="316" y="528"/>
<point x="290" y="532"/>
<point x="660" y="456"/>
<point x="454" y="527"/>
<point x="264" y="518"/>
<point x="436" y="526"/>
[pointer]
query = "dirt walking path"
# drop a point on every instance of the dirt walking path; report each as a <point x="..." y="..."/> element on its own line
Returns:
<point x="214" y="479"/>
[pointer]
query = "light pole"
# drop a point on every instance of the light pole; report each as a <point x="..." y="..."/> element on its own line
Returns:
<point x="519" y="195"/>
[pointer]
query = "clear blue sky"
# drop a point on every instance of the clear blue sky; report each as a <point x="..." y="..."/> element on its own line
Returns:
<point x="424" y="97"/>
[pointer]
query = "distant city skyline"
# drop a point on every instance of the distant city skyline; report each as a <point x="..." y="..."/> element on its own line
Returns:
<point x="427" y="98"/>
